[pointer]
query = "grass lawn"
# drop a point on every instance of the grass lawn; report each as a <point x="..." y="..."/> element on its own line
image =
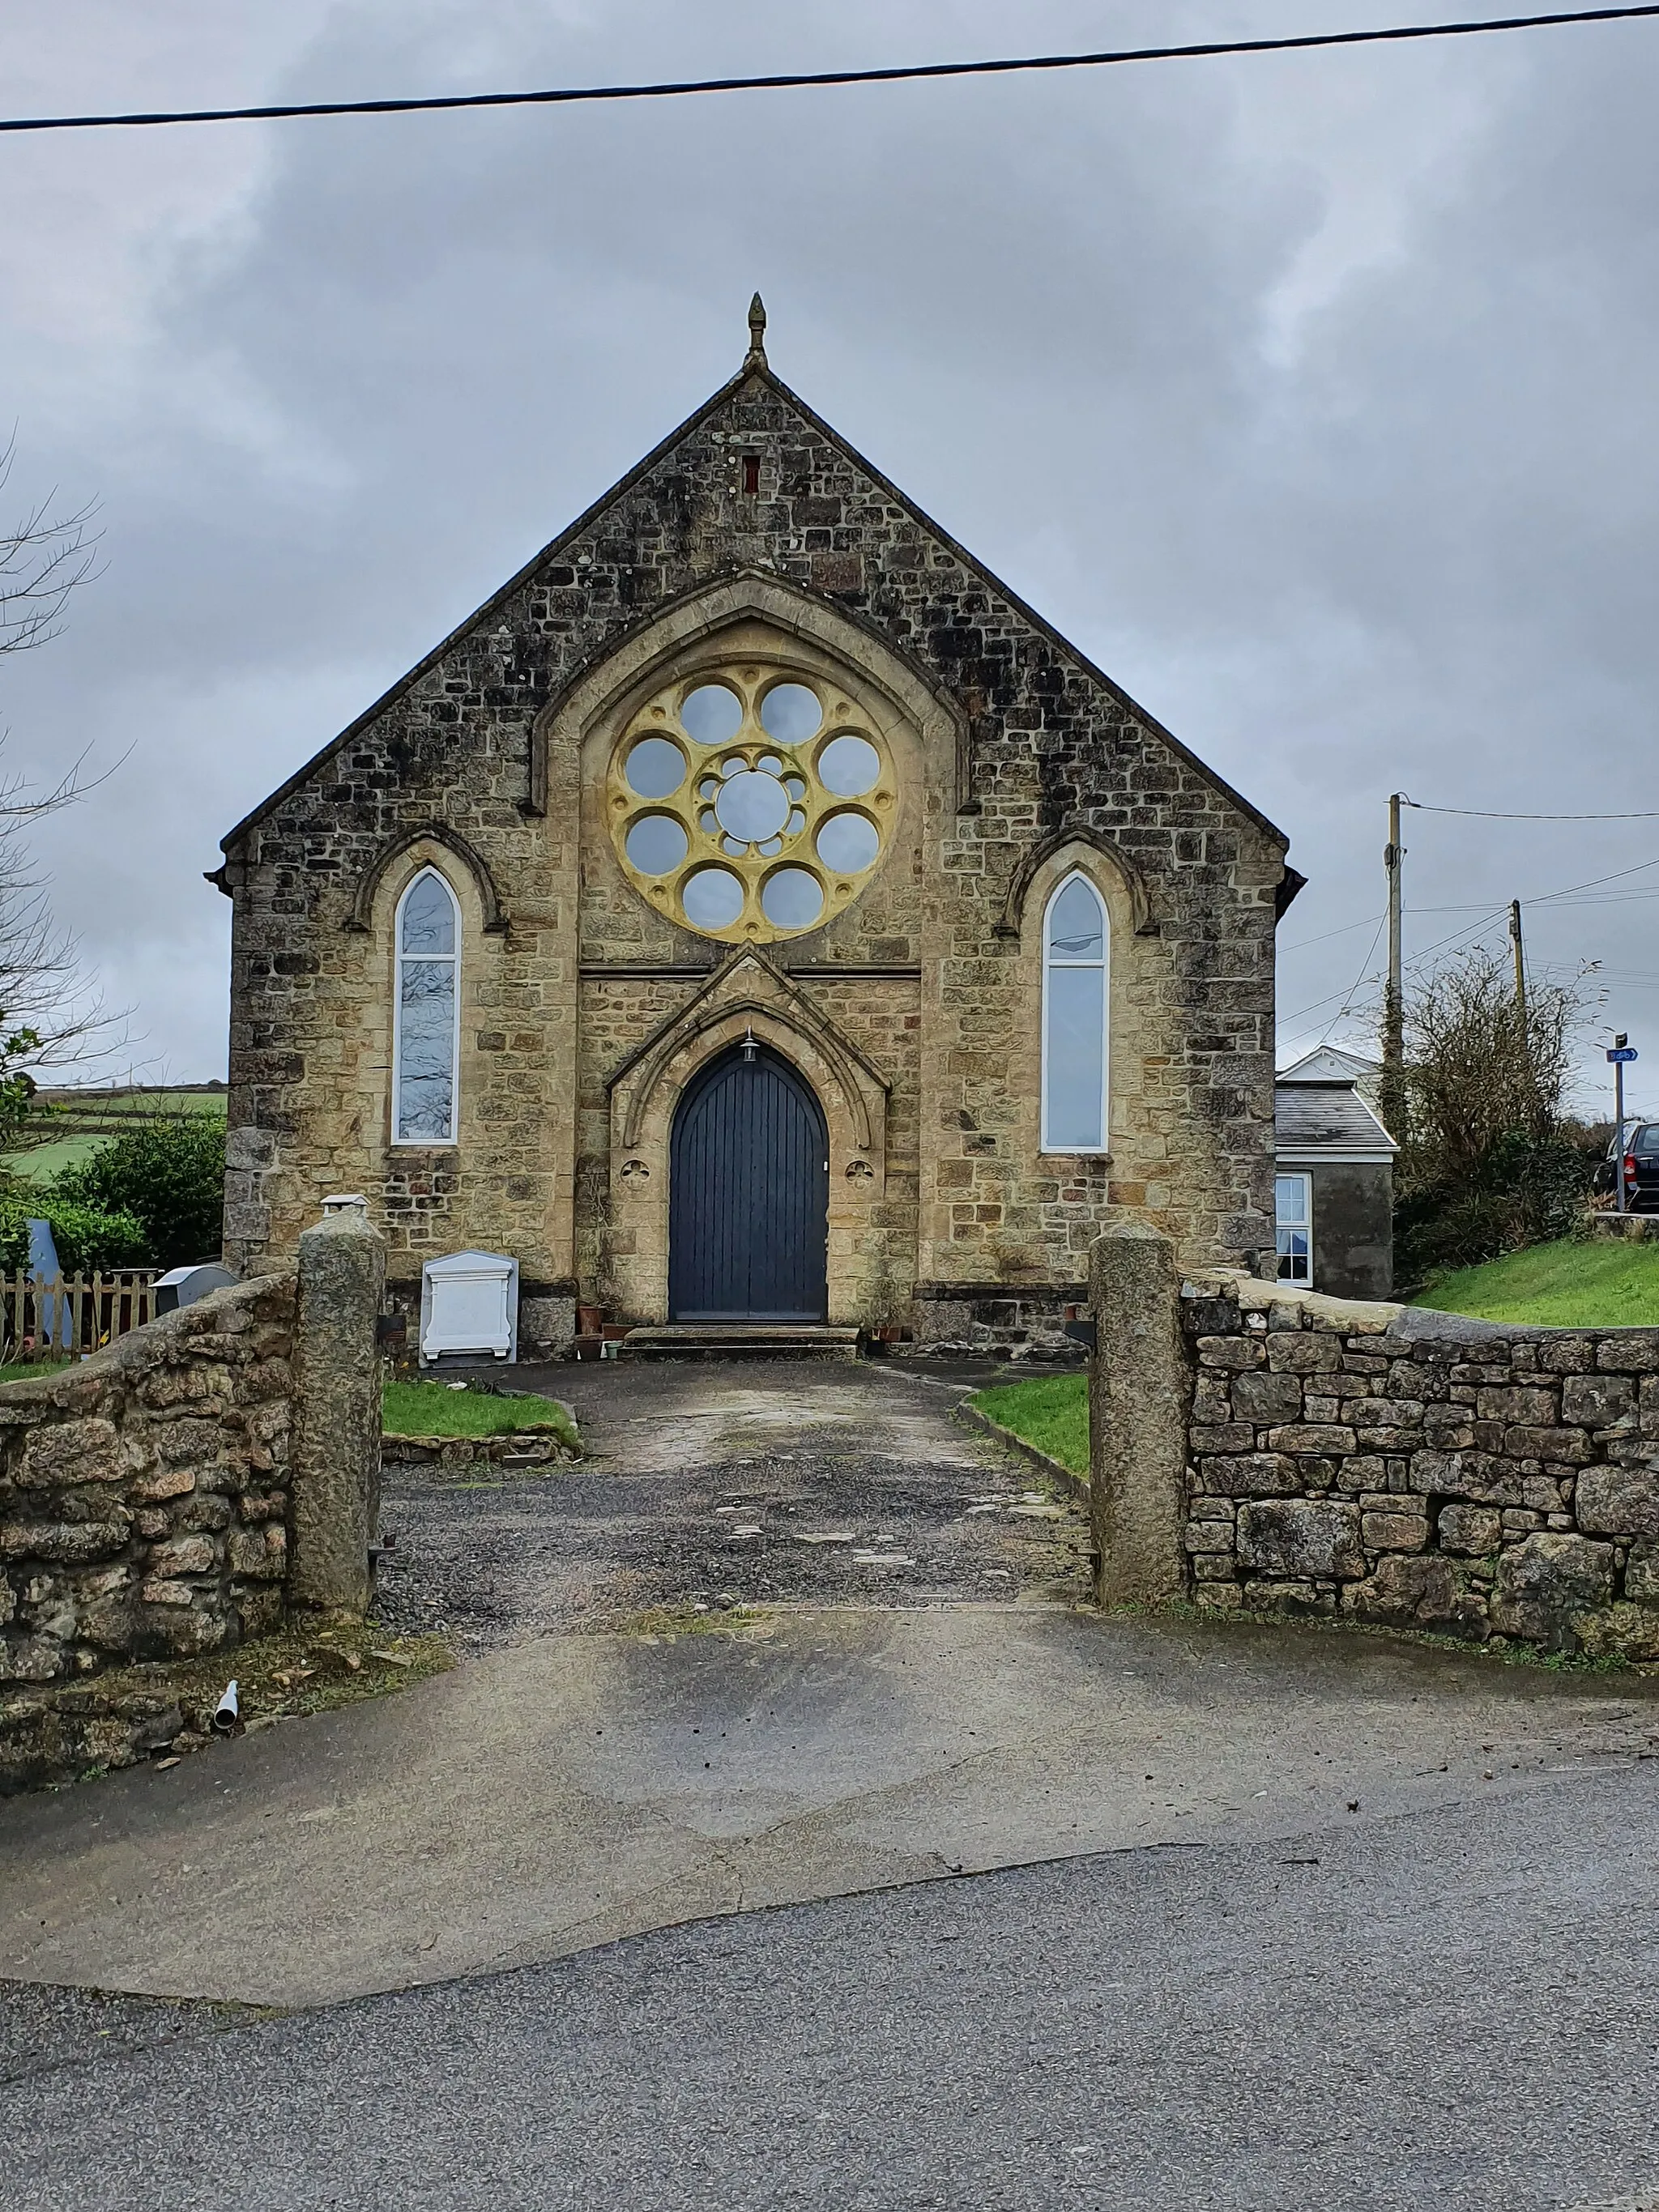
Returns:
<point x="24" y="1371"/>
<point x="1564" y="1285"/>
<point x="433" y="1409"/>
<point x="1052" y="1413"/>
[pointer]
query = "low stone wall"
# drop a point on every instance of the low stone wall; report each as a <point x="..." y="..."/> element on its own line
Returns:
<point x="1378" y="1463"/>
<point x="1025" y="1322"/>
<point x="194" y="1485"/>
<point x="457" y="1454"/>
<point x="144" y="1492"/>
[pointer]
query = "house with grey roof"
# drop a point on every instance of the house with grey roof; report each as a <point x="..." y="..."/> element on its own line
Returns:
<point x="1333" y="1180"/>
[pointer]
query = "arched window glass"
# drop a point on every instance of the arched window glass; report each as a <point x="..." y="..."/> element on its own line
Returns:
<point x="1074" y="1003"/>
<point x="426" y="1046"/>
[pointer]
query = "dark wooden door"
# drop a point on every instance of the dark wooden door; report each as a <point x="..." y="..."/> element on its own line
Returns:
<point x="748" y="1195"/>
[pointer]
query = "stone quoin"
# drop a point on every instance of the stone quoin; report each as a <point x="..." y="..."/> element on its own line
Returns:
<point x="755" y="911"/>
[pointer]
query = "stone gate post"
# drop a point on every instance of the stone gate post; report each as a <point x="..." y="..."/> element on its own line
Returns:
<point x="335" y="1451"/>
<point x="1140" y="1402"/>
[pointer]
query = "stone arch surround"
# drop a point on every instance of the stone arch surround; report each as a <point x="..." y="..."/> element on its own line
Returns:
<point x="639" y="662"/>
<point x="493" y="913"/>
<point x="645" y="1095"/>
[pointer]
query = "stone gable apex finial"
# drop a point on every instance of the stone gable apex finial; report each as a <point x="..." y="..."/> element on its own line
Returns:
<point x="755" y="356"/>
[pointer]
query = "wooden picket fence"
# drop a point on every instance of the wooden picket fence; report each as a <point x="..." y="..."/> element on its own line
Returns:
<point x="72" y="1314"/>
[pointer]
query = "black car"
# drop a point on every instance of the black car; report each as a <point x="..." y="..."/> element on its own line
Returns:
<point x="1641" y="1168"/>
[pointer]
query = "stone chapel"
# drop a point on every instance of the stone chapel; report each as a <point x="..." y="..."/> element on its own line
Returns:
<point x="756" y="914"/>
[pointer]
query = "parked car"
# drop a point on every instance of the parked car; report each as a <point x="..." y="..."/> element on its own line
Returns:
<point x="1641" y="1168"/>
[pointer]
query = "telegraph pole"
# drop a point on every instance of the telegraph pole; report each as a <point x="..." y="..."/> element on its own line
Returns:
<point x="1522" y="1033"/>
<point x="1519" y="965"/>
<point x="1393" y="1087"/>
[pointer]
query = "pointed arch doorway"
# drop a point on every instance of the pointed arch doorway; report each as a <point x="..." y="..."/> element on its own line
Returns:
<point x="748" y="1194"/>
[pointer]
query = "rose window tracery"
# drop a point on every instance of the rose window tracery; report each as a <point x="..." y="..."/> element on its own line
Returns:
<point x="750" y="802"/>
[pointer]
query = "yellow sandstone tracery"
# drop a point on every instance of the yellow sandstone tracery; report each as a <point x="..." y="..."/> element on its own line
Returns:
<point x="748" y="803"/>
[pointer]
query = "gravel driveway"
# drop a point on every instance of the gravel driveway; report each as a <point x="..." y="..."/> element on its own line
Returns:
<point x="715" y="1484"/>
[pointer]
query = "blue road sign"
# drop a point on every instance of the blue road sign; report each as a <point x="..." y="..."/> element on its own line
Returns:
<point x="1622" y="1052"/>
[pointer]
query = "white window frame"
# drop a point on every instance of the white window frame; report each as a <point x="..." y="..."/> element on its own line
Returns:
<point x="1305" y="1225"/>
<point x="1104" y="965"/>
<point x="398" y="957"/>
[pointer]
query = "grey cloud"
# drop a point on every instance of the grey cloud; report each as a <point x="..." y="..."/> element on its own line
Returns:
<point x="1409" y="546"/>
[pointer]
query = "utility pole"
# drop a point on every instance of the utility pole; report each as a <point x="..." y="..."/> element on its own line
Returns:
<point x="1519" y="965"/>
<point x="1392" y="1098"/>
<point x="1522" y="1033"/>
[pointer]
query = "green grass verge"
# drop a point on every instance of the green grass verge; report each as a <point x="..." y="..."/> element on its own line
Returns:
<point x="25" y="1371"/>
<point x="1601" y="1285"/>
<point x="1052" y="1413"/>
<point x="433" y="1409"/>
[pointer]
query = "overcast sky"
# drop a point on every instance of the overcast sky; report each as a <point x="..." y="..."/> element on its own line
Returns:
<point x="1314" y="396"/>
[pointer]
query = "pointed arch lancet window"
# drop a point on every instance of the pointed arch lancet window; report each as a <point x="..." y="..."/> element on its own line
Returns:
<point x="1074" y="1013"/>
<point x="426" y="1044"/>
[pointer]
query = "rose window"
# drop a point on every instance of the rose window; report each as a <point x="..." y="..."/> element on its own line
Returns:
<point x="751" y="804"/>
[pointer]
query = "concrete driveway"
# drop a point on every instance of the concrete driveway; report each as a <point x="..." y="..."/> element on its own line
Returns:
<point x="883" y="1720"/>
<point x="808" y="1483"/>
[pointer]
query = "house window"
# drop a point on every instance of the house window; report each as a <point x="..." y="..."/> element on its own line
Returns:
<point x="426" y="1042"/>
<point x="1075" y="950"/>
<point x="1293" y="1210"/>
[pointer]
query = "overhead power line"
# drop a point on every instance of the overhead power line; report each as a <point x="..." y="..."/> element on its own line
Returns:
<point x="795" y="81"/>
<point x="1485" y="814"/>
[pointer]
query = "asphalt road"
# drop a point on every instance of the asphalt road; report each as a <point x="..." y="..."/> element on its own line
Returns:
<point x="1454" y="2008"/>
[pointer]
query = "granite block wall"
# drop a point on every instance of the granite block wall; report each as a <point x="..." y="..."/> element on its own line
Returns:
<point x="144" y="1492"/>
<point x="1366" y="1463"/>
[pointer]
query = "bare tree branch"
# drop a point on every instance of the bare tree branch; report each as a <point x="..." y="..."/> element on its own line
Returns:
<point x="50" y="1013"/>
<point x="43" y="557"/>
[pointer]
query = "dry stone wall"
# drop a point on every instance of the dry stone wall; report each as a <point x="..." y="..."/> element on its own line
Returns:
<point x="1372" y="1464"/>
<point x="144" y="1493"/>
<point x="185" y="1489"/>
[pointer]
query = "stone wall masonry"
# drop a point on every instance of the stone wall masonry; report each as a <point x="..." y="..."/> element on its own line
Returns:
<point x="144" y="1493"/>
<point x="1377" y="1464"/>
<point x="1026" y="1321"/>
<point x="521" y="1448"/>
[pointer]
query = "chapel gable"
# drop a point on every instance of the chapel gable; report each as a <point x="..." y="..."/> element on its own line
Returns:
<point x="754" y="758"/>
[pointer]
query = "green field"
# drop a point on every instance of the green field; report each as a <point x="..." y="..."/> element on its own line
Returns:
<point x="1052" y="1413"/>
<point x="433" y="1409"/>
<point x="1602" y="1285"/>
<point x="41" y="1162"/>
<point x="69" y="1127"/>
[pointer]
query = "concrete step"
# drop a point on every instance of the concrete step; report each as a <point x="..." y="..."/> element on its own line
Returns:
<point x="745" y="1340"/>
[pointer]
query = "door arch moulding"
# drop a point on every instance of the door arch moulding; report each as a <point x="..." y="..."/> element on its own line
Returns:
<point x="750" y="990"/>
<point x="747" y="996"/>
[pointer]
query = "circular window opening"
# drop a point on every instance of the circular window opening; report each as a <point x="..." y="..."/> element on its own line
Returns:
<point x="711" y="714"/>
<point x="791" y="714"/>
<point x="791" y="898"/>
<point x="848" y="843"/>
<point x="713" y="898"/>
<point x="849" y="766"/>
<point x="656" y="767"/>
<point x="752" y="806"/>
<point x="657" y="843"/>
